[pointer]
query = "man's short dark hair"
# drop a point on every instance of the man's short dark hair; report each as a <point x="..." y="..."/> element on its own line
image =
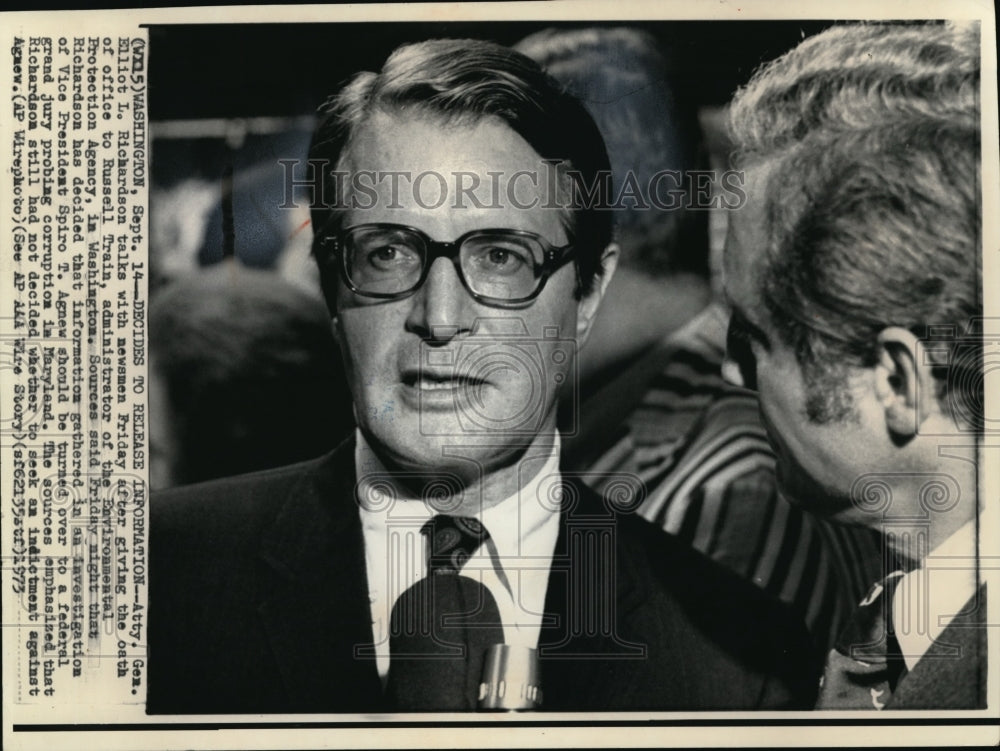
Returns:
<point x="870" y="138"/>
<point x="466" y="81"/>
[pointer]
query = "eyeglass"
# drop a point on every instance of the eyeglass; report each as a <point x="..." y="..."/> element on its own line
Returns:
<point x="499" y="267"/>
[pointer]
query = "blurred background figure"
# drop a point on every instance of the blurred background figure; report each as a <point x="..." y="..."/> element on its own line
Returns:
<point x="219" y="192"/>
<point x="245" y="375"/>
<point x="652" y="402"/>
<point x="648" y="127"/>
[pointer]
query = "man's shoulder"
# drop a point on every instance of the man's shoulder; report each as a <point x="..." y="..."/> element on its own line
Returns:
<point x="725" y="614"/>
<point x="704" y="585"/>
<point x="216" y="525"/>
<point x="224" y="561"/>
<point x="737" y="645"/>
<point x="661" y="561"/>
<point x="255" y="492"/>
<point x="246" y="493"/>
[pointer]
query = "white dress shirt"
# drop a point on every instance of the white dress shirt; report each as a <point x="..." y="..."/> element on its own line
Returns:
<point x="929" y="598"/>
<point x="513" y="565"/>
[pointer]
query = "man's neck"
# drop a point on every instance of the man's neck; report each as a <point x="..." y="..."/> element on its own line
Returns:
<point x="936" y="503"/>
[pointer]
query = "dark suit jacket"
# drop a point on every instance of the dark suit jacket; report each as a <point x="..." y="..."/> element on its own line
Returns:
<point x="953" y="673"/>
<point x="258" y="603"/>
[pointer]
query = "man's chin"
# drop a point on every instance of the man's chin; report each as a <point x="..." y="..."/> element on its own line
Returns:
<point x="445" y="448"/>
<point x="802" y="491"/>
<point x="423" y="447"/>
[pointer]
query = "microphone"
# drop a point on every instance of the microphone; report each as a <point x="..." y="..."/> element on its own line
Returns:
<point x="510" y="679"/>
<point x="439" y="632"/>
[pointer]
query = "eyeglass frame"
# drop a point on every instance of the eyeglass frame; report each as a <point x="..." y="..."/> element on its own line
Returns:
<point x="555" y="257"/>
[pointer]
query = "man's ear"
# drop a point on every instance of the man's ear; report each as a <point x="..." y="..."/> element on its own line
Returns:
<point x="588" y="305"/>
<point x="904" y="385"/>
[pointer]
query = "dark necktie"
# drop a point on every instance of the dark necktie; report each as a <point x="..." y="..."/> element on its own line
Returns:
<point x="441" y="627"/>
<point x="862" y="670"/>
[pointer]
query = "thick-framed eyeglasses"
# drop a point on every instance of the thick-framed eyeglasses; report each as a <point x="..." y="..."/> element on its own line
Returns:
<point x="498" y="267"/>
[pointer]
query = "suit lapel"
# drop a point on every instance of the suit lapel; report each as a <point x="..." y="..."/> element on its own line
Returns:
<point x="588" y="603"/>
<point x="945" y="681"/>
<point x="314" y="605"/>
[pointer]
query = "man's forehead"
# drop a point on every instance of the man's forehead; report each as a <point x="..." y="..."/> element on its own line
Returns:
<point x="409" y="136"/>
<point x="401" y="166"/>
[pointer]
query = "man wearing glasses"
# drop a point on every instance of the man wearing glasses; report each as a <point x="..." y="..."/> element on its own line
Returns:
<point x="439" y="560"/>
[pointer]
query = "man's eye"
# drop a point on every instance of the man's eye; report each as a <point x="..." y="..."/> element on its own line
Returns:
<point x="501" y="259"/>
<point x="391" y="256"/>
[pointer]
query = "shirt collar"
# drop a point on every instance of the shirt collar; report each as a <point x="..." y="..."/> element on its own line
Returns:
<point x="515" y="522"/>
<point x="954" y="582"/>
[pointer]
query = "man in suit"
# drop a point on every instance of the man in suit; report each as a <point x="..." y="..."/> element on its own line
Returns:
<point x="665" y="413"/>
<point x="462" y="271"/>
<point x="854" y="278"/>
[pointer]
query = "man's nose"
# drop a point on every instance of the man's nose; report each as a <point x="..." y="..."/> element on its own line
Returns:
<point x="442" y="308"/>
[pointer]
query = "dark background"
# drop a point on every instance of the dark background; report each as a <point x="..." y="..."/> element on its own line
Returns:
<point x="234" y="71"/>
<point x="287" y="69"/>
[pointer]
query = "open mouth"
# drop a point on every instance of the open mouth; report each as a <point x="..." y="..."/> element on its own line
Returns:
<point x="425" y="380"/>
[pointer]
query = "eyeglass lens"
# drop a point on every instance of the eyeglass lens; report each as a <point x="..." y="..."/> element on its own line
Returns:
<point x="497" y="264"/>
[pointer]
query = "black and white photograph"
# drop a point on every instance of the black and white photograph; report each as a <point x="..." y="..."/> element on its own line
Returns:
<point x="526" y="373"/>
